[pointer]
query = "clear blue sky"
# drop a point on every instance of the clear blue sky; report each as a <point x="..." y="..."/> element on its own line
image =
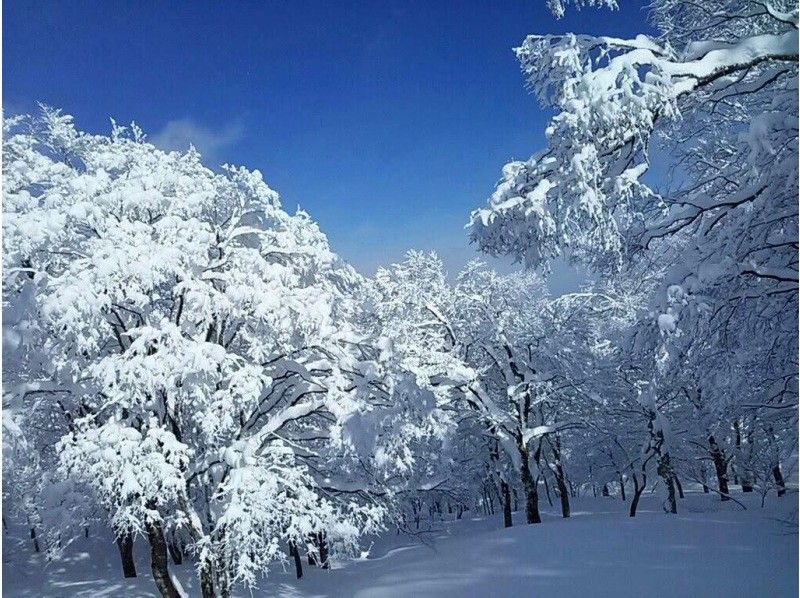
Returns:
<point x="387" y="121"/>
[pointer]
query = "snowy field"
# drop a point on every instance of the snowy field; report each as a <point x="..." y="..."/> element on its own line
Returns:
<point x="709" y="549"/>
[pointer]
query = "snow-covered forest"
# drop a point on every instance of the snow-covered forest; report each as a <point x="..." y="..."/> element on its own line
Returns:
<point x="201" y="393"/>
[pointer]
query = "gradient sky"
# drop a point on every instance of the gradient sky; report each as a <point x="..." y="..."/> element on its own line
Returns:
<point x="387" y="121"/>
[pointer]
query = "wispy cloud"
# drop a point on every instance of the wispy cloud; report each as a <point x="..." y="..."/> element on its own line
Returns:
<point x="179" y="134"/>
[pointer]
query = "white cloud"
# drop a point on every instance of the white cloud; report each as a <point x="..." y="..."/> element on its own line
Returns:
<point x="178" y="134"/>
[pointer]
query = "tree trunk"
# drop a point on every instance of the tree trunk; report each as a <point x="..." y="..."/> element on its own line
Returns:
<point x="637" y="493"/>
<point x="322" y="542"/>
<point x="35" y="540"/>
<point x="312" y="556"/>
<point x="605" y="491"/>
<point x="547" y="491"/>
<point x="563" y="493"/>
<point x="298" y="563"/>
<point x="665" y="471"/>
<point x="622" y="487"/>
<point x="175" y="548"/>
<point x="779" y="482"/>
<point x="125" y="546"/>
<point x="207" y="582"/>
<point x="531" y="492"/>
<point x="159" y="563"/>
<point x="561" y="485"/>
<point x="507" y="522"/>
<point x="703" y="477"/>
<point x="720" y="466"/>
<point x="679" y="486"/>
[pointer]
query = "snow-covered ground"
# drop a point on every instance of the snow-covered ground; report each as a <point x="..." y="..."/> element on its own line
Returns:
<point x="709" y="549"/>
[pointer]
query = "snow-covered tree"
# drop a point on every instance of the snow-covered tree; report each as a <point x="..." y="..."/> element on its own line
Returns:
<point x="200" y="339"/>
<point x="517" y="365"/>
<point x="710" y="104"/>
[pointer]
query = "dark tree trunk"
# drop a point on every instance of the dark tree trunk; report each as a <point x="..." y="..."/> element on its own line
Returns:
<point x="720" y="466"/>
<point x="507" y="522"/>
<point x="531" y="492"/>
<point x="779" y="482"/>
<point x="159" y="563"/>
<point x="672" y="503"/>
<point x="605" y="491"/>
<point x="298" y="563"/>
<point x="704" y="478"/>
<point x="322" y="541"/>
<point x="175" y="546"/>
<point x="637" y="493"/>
<point x="665" y="471"/>
<point x="561" y="485"/>
<point x="563" y="493"/>
<point x="207" y="582"/>
<point x="622" y="487"/>
<point x="125" y="546"/>
<point x="35" y="540"/>
<point x="679" y="486"/>
<point x="416" y="508"/>
<point x="312" y="556"/>
<point x="547" y="491"/>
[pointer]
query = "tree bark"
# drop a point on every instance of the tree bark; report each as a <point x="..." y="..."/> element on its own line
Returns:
<point x="679" y="486"/>
<point x="561" y="486"/>
<point x="298" y="563"/>
<point x="720" y="466"/>
<point x="125" y="546"/>
<point x="175" y="548"/>
<point x="531" y="492"/>
<point x="207" y="581"/>
<point x="322" y="542"/>
<point x="665" y="471"/>
<point x="547" y="491"/>
<point x="159" y="563"/>
<point x="563" y="493"/>
<point x="637" y="493"/>
<point x="507" y="522"/>
<point x="622" y="487"/>
<point x="35" y="540"/>
<point x="312" y="556"/>
<point x="779" y="482"/>
<point x="704" y="477"/>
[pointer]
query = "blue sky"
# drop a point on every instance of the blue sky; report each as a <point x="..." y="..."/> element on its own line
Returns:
<point x="387" y="121"/>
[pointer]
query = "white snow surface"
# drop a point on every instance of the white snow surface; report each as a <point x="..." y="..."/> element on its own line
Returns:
<point x="709" y="549"/>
